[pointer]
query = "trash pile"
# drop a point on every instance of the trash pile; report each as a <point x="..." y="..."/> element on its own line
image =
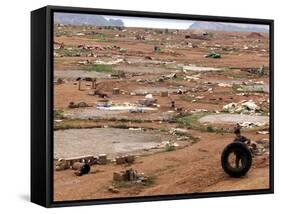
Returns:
<point x="243" y="107"/>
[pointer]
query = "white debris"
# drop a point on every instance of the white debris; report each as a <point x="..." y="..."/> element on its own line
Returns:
<point x="112" y="62"/>
<point x="135" y="129"/>
<point x="58" y="121"/>
<point x="198" y="110"/>
<point x="224" y="85"/>
<point x="263" y="132"/>
<point x="193" y="77"/>
<point x="148" y="96"/>
<point x="251" y="106"/>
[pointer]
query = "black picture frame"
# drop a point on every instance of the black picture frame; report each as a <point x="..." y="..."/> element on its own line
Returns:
<point x="42" y="105"/>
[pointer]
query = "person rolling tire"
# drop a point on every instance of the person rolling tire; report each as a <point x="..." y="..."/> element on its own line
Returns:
<point x="243" y="159"/>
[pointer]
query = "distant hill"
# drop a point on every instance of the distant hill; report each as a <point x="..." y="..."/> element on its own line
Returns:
<point x="218" y="26"/>
<point x="85" y="19"/>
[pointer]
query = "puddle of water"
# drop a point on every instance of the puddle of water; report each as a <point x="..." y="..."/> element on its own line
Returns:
<point x="233" y="119"/>
<point x="200" y="69"/>
<point x="255" y="88"/>
<point x="110" y="141"/>
<point x="157" y="90"/>
<point x="94" y="113"/>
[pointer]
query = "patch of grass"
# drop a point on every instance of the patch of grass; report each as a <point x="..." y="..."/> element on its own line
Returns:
<point x="101" y="36"/>
<point x="210" y="128"/>
<point x="63" y="126"/>
<point x="188" y="98"/>
<point x="119" y="126"/>
<point x="58" y="114"/>
<point x="179" y="78"/>
<point x="162" y="129"/>
<point x="149" y="181"/>
<point x="99" y="68"/>
<point x="191" y="121"/>
<point x="169" y="148"/>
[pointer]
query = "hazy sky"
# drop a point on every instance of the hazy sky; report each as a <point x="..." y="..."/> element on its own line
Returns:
<point x="152" y="22"/>
<point x="156" y="22"/>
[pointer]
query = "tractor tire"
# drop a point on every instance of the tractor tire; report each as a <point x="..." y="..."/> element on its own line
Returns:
<point x="245" y="155"/>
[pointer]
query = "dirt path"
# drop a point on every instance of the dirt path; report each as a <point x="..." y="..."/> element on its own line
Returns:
<point x="188" y="170"/>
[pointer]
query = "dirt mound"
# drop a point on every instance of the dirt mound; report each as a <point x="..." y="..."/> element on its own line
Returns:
<point x="255" y="35"/>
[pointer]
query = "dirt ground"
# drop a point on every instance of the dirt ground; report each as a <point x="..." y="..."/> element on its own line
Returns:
<point x="192" y="169"/>
<point x="199" y="87"/>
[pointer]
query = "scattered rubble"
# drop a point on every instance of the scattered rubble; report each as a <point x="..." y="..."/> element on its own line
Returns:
<point x="148" y="101"/>
<point x="128" y="159"/>
<point x="66" y="163"/>
<point x="243" y="107"/>
<point x="129" y="175"/>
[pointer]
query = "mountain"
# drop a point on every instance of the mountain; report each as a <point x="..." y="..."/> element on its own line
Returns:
<point x="219" y="26"/>
<point x="85" y="19"/>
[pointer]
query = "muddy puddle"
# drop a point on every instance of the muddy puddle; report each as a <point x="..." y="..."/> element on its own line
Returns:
<point x="110" y="141"/>
<point x="143" y="70"/>
<point x="94" y="113"/>
<point x="199" y="69"/>
<point x="233" y="119"/>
